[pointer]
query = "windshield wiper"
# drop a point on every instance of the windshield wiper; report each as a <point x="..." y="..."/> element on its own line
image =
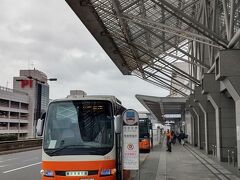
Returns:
<point x="64" y="147"/>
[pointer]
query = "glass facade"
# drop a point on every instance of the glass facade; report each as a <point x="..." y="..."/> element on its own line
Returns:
<point x="42" y="99"/>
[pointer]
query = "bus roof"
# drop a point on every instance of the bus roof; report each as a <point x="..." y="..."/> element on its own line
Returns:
<point x="89" y="97"/>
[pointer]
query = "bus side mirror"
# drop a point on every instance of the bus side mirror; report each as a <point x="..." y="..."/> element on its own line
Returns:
<point x="40" y="125"/>
<point x="118" y="124"/>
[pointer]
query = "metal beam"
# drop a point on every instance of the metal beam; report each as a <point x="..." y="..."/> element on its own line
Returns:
<point x="171" y="77"/>
<point x="181" y="72"/>
<point x="231" y="20"/>
<point x="226" y="18"/>
<point x="96" y="27"/>
<point x="124" y="26"/>
<point x="172" y="45"/>
<point x="173" y="88"/>
<point x="162" y="61"/>
<point x="130" y="5"/>
<point x="169" y="29"/>
<point x="235" y="39"/>
<point x="169" y="16"/>
<point x="143" y="15"/>
<point x="191" y="22"/>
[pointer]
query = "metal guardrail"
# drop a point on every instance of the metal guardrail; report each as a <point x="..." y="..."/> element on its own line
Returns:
<point x="20" y="144"/>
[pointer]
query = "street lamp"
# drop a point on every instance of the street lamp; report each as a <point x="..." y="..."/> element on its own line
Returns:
<point x="30" y="77"/>
<point x="52" y="79"/>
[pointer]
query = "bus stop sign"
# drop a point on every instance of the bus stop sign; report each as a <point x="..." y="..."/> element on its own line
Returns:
<point x="130" y="140"/>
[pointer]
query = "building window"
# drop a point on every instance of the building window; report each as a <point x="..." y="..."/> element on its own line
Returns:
<point x="4" y="103"/>
<point x="14" y="105"/>
<point x="3" y="126"/>
<point x="24" y="116"/>
<point x="3" y="114"/>
<point x="24" y="106"/>
<point x="14" y="115"/>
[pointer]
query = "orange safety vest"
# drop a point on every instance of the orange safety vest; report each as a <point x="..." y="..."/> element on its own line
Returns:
<point x="169" y="136"/>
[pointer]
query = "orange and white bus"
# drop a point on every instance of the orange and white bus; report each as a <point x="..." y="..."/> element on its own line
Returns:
<point x="145" y="135"/>
<point x="81" y="139"/>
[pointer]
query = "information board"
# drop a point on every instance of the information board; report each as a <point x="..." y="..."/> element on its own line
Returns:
<point x="130" y="140"/>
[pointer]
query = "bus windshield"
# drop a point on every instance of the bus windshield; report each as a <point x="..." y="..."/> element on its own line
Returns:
<point x="79" y="128"/>
<point x="144" y="128"/>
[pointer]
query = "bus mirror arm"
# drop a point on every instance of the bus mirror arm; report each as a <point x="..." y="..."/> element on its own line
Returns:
<point x="40" y="125"/>
<point x="118" y="124"/>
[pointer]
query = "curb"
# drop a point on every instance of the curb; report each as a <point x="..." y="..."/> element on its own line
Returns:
<point x="19" y="150"/>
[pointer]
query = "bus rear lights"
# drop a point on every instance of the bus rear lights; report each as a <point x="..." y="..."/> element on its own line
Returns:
<point x="47" y="173"/>
<point x="107" y="172"/>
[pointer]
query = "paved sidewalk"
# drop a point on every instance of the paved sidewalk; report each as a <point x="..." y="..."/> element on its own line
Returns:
<point x="183" y="163"/>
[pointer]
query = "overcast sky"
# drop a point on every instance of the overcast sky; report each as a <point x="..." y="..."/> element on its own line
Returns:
<point x="47" y="35"/>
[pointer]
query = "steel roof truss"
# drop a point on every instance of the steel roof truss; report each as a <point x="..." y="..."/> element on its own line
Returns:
<point x="169" y="29"/>
<point x="191" y="22"/>
<point x="165" y="62"/>
<point x="171" y="80"/>
<point x="170" y="87"/>
<point x="174" y="46"/>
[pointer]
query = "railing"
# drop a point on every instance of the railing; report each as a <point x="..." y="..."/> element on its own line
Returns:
<point x="23" y="118"/>
<point x="21" y="144"/>
<point x="24" y="108"/>
<point x="12" y="90"/>
<point x="14" y="117"/>
<point x="13" y="128"/>
<point x="3" y="116"/>
<point x="4" y="105"/>
<point x="14" y="107"/>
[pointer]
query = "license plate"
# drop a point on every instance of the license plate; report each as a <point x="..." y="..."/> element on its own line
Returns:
<point x="76" y="173"/>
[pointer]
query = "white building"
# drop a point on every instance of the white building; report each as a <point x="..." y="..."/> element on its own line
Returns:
<point x="21" y="106"/>
<point x="14" y="112"/>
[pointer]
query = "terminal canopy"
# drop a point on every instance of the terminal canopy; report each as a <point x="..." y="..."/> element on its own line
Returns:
<point x="164" y="108"/>
<point x="149" y="38"/>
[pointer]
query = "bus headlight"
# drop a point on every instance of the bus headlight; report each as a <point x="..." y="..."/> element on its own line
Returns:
<point x="107" y="172"/>
<point x="47" y="173"/>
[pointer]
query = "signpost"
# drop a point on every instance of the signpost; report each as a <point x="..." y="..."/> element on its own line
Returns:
<point x="130" y="140"/>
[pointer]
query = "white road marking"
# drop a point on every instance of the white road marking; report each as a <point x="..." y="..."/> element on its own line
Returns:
<point x="21" y="167"/>
<point x="33" y="159"/>
<point x="8" y="160"/>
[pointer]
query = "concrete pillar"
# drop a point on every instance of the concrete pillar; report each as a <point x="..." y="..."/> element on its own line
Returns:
<point x="211" y="126"/>
<point x="200" y="122"/>
<point x="233" y="86"/>
<point x="194" y="127"/>
<point x="224" y="114"/>
<point x="188" y="125"/>
<point x="209" y="119"/>
<point x="225" y="124"/>
<point x="228" y="73"/>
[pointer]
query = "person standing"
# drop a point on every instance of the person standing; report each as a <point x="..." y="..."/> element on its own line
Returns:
<point x="181" y="137"/>
<point x="169" y="139"/>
